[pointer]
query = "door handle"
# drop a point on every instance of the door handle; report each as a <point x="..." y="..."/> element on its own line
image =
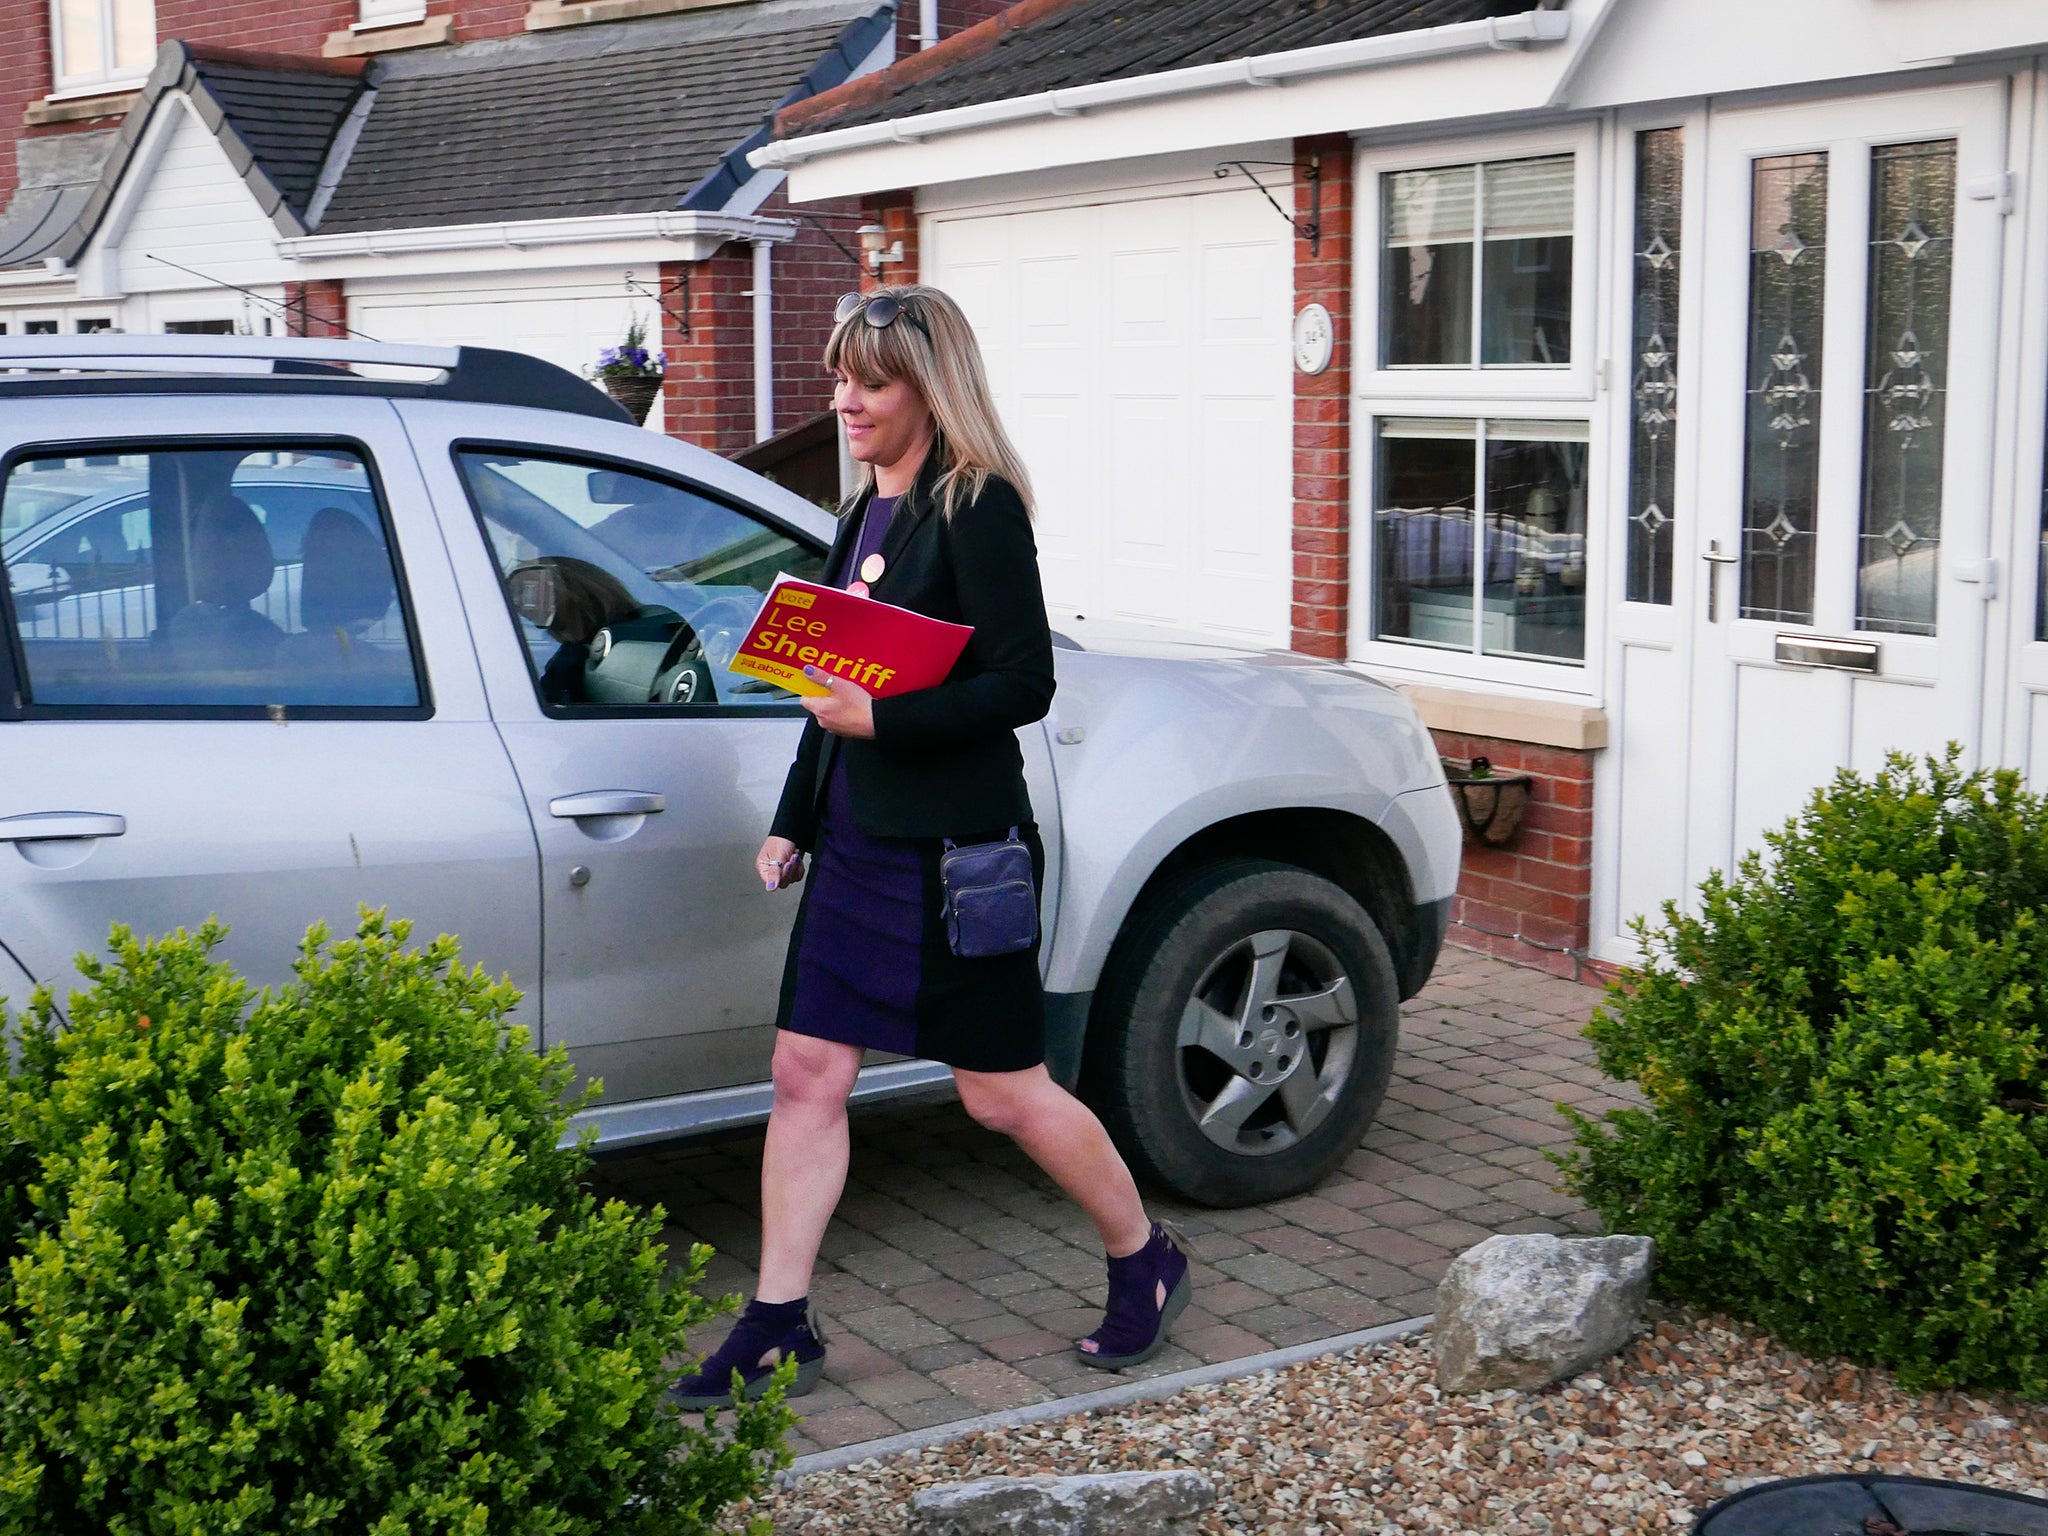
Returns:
<point x="45" y="826"/>
<point x="1715" y="559"/>
<point x="608" y="802"/>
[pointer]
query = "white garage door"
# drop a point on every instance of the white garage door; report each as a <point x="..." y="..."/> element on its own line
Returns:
<point x="567" y="319"/>
<point x="1139" y="351"/>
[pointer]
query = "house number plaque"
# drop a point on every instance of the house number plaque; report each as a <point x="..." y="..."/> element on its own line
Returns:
<point x="1314" y="337"/>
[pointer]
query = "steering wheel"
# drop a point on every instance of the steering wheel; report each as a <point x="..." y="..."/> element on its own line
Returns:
<point x="652" y="657"/>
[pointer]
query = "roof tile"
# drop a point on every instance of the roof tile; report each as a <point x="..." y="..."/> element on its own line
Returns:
<point x="1097" y="40"/>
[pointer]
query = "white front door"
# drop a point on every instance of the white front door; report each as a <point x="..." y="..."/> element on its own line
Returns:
<point x="1849" y="355"/>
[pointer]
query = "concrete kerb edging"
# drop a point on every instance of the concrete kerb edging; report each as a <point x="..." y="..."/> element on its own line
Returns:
<point x="1118" y="1396"/>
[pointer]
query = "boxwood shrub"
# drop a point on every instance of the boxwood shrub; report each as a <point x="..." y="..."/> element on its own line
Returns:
<point x="313" y="1261"/>
<point x="1841" y="1049"/>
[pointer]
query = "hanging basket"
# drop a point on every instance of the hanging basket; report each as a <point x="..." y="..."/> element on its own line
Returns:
<point x="635" y="393"/>
<point x="1490" y="804"/>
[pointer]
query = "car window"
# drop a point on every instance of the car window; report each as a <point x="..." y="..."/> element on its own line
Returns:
<point x="628" y="589"/>
<point x="207" y="577"/>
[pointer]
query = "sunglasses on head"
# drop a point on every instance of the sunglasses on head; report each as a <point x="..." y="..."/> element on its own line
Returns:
<point x="880" y="310"/>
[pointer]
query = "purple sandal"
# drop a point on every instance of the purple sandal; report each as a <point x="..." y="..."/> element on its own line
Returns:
<point x="1134" y="1329"/>
<point x="767" y="1331"/>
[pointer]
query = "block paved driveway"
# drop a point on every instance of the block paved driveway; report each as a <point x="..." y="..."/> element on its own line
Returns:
<point x="956" y="1276"/>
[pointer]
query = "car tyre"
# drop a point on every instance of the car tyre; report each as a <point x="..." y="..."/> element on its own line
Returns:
<point x="1244" y="1033"/>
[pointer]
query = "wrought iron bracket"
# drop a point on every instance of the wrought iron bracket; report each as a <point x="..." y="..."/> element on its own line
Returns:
<point x="680" y="286"/>
<point x="1310" y="228"/>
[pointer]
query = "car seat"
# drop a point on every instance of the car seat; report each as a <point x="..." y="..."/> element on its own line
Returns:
<point x="345" y="588"/>
<point x="230" y="565"/>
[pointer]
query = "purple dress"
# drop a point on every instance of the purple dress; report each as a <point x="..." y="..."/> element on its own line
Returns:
<point x="869" y="964"/>
<point x="858" y="966"/>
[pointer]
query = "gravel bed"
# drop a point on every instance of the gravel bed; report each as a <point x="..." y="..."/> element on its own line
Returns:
<point x="1693" y="1409"/>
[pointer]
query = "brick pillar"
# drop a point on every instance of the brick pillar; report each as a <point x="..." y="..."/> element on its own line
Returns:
<point x="708" y="391"/>
<point x="1531" y="901"/>
<point x="318" y="307"/>
<point x="1322" y="403"/>
<point x="896" y="212"/>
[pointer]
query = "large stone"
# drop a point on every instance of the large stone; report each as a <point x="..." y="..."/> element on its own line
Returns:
<point x="1524" y="1311"/>
<point x="1097" y="1504"/>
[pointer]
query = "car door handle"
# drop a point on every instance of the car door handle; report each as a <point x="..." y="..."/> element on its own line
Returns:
<point x="41" y="826"/>
<point x="608" y="802"/>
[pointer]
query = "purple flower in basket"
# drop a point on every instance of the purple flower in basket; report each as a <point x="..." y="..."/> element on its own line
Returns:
<point x="631" y="359"/>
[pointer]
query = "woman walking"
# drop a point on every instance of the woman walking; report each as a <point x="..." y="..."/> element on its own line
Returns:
<point x="942" y="525"/>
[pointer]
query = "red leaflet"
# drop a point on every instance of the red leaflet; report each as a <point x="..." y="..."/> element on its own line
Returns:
<point x="880" y="647"/>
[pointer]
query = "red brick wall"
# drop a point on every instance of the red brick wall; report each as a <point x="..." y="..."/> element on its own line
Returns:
<point x="709" y="389"/>
<point x="896" y="212"/>
<point x="1322" y="403"/>
<point x="316" y="308"/>
<point x="1532" y="900"/>
<point x="810" y="275"/>
<point x="708" y="394"/>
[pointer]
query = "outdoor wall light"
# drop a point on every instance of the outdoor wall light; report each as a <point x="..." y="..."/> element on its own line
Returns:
<point x="873" y="246"/>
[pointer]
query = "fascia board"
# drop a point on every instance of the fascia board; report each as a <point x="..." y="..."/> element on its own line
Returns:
<point x="99" y="260"/>
<point x="61" y="285"/>
<point x="667" y="235"/>
<point x="1446" y="89"/>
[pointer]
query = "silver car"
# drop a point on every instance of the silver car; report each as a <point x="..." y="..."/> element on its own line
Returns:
<point x="449" y="636"/>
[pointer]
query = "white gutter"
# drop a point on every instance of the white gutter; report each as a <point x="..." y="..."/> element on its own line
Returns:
<point x="699" y="234"/>
<point x="764" y="342"/>
<point x="1529" y="30"/>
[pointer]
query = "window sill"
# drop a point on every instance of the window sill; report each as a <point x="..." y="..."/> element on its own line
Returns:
<point x="544" y="15"/>
<point x="351" y="44"/>
<point x="1509" y="717"/>
<point x="77" y="107"/>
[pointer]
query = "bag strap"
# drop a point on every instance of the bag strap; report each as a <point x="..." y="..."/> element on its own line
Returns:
<point x="950" y="845"/>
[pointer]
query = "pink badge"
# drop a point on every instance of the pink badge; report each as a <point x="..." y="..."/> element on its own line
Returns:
<point x="857" y="589"/>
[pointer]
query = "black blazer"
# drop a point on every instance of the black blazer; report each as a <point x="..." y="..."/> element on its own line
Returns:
<point x="944" y="761"/>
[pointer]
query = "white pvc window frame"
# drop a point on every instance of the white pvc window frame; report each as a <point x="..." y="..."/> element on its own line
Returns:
<point x="104" y="69"/>
<point x="372" y="14"/>
<point x="1493" y="384"/>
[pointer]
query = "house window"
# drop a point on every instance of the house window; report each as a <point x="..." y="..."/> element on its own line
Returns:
<point x="389" y="13"/>
<point x="1653" y="412"/>
<point x="1479" y="536"/>
<point x="102" y="42"/>
<point x="1510" y="223"/>
<point x="1912" y="245"/>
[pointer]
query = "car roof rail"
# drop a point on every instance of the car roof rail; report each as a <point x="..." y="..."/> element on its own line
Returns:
<point x="480" y="375"/>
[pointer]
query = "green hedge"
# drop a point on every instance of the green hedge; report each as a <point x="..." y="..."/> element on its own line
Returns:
<point x="312" y="1261"/>
<point x="1846" y="1138"/>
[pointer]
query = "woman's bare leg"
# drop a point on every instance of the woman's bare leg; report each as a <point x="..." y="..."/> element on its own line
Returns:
<point x="803" y="1167"/>
<point x="1063" y="1137"/>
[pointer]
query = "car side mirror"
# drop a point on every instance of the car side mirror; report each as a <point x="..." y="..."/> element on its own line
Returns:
<point x="608" y="485"/>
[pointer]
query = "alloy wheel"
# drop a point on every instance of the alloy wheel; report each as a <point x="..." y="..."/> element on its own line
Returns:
<point x="1266" y="1042"/>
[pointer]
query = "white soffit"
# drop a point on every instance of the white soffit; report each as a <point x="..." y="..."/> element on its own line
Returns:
<point x="1433" y="74"/>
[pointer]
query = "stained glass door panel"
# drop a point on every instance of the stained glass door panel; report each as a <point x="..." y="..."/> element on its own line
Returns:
<point x="1848" y="353"/>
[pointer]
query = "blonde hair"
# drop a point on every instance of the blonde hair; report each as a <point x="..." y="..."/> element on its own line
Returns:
<point x="942" y="362"/>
